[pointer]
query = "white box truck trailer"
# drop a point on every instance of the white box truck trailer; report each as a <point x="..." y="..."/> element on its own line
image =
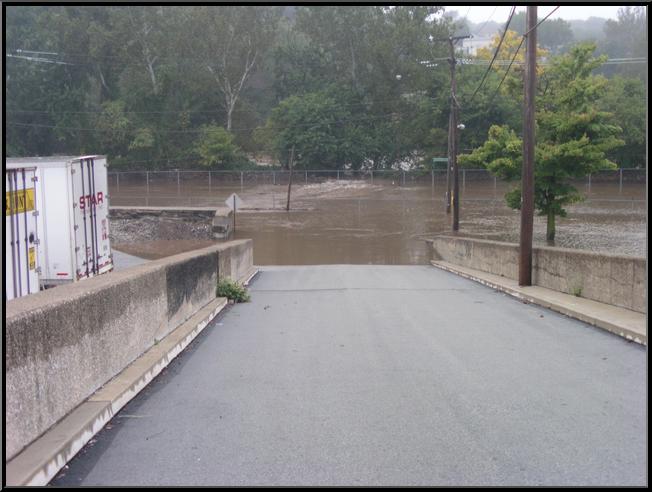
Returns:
<point x="73" y="217"/>
<point x="21" y="233"/>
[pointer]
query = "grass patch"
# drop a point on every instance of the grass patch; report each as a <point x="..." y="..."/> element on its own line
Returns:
<point x="232" y="291"/>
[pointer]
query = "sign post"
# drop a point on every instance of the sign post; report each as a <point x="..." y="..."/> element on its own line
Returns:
<point x="234" y="202"/>
<point x="435" y="160"/>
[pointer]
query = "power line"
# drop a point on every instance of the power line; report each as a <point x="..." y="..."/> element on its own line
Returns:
<point x="507" y="61"/>
<point x="516" y="53"/>
<point x="500" y="43"/>
<point x="539" y="23"/>
<point x="467" y="12"/>
<point x="487" y="21"/>
<point x="39" y="59"/>
<point x="507" y="71"/>
<point x="180" y="111"/>
<point x="172" y="131"/>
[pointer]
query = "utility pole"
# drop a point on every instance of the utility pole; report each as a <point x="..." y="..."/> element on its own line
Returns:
<point x="452" y="141"/>
<point x="453" y="132"/>
<point x="527" y="174"/>
<point x="452" y="135"/>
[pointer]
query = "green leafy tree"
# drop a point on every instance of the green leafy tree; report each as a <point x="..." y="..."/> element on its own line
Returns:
<point x="573" y="137"/>
<point x="626" y="37"/>
<point x="114" y="128"/>
<point x="626" y="99"/>
<point x="216" y="148"/>
<point x="313" y="124"/>
<point x="556" y="35"/>
<point x="376" y="52"/>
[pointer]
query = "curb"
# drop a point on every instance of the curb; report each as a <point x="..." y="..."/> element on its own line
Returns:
<point x="617" y="329"/>
<point x="39" y="462"/>
<point x="249" y="276"/>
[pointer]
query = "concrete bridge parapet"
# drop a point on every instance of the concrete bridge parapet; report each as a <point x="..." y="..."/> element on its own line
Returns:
<point x="63" y="344"/>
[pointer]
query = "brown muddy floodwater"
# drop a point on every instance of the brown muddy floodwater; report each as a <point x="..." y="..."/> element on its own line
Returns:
<point x="357" y="222"/>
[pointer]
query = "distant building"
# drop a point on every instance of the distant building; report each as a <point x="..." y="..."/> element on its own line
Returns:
<point x="471" y="46"/>
<point x="263" y="160"/>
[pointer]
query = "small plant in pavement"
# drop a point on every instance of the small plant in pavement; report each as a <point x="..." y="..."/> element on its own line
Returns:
<point x="232" y="291"/>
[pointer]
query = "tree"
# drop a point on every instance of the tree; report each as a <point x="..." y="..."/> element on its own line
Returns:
<point x="311" y="124"/>
<point x="50" y="84"/>
<point x="145" y="36"/>
<point x="298" y="66"/>
<point x="625" y="99"/>
<point x="216" y="148"/>
<point x="588" y="30"/>
<point x="555" y="35"/>
<point x="513" y="84"/>
<point x="363" y="49"/>
<point x="626" y="37"/>
<point x="233" y="40"/>
<point x="572" y="139"/>
<point x="322" y="130"/>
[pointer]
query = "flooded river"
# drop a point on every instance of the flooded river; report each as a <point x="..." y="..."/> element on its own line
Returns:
<point x="386" y="222"/>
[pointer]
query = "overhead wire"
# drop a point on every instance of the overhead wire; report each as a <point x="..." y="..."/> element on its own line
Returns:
<point x="487" y="21"/>
<point x="190" y="111"/>
<point x="354" y="119"/>
<point x="500" y="43"/>
<point x="182" y="111"/>
<point x="516" y="53"/>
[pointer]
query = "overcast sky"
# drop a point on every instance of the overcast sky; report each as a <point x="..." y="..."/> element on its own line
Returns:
<point x="480" y="13"/>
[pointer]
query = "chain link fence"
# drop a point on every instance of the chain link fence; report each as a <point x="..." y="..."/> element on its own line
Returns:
<point x="202" y="188"/>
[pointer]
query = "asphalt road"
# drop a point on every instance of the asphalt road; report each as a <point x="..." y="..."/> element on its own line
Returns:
<point x="382" y="375"/>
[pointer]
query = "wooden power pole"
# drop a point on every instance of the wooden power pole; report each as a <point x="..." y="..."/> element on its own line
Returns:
<point x="527" y="174"/>
<point x="452" y="196"/>
<point x="452" y="134"/>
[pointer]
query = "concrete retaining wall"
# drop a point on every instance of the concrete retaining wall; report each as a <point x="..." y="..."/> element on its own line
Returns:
<point x="65" y="343"/>
<point x="612" y="279"/>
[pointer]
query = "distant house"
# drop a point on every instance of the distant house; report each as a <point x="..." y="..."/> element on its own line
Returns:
<point x="471" y="46"/>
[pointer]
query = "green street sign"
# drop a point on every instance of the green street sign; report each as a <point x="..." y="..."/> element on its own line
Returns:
<point x="439" y="162"/>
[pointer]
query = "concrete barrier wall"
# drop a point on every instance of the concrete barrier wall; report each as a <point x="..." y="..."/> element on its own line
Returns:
<point x="612" y="279"/>
<point x="65" y="343"/>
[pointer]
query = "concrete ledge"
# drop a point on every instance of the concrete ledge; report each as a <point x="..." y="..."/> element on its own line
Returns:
<point x="249" y="276"/>
<point x="603" y="277"/>
<point x="623" y="322"/>
<point x="122" y="209"/>
<point x="42" y="459"/>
